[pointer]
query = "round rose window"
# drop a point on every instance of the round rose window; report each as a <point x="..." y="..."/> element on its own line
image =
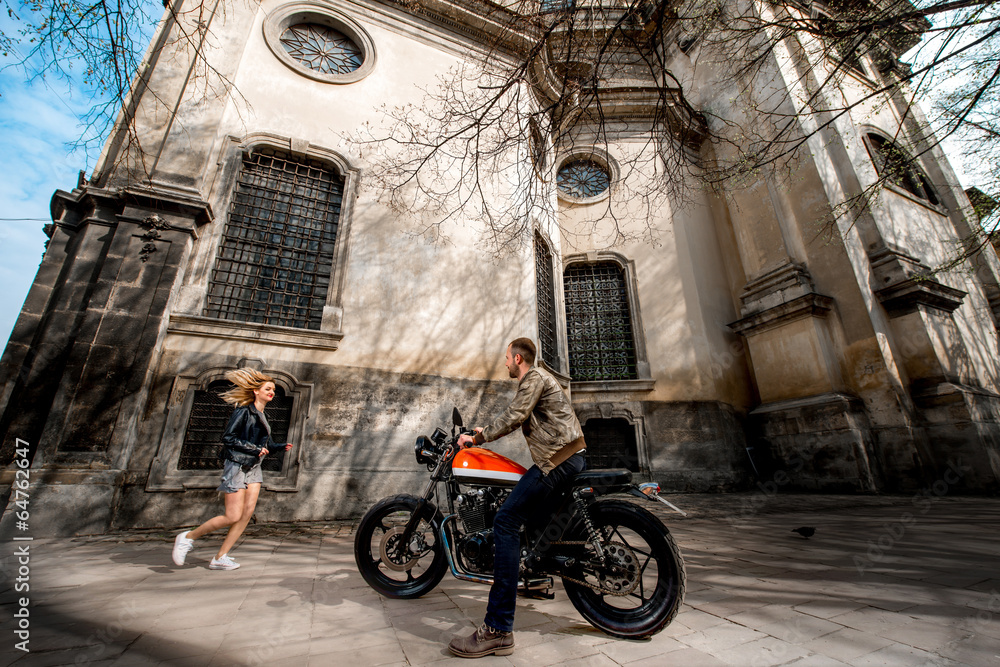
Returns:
<point x="583" y="179"/>
<point x="322" y="49"/>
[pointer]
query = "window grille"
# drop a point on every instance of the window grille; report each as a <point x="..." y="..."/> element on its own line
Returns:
<point x="549" y="6"/>
<point x="899" y="168"/>
<point x="583" y="179"/>
<point x="209" y="417"/>
<point x="545" y="289"/>
<point x="611" y="444"/>
<point x="276" y="257"/>
<point x="322" y="49"/>
<point x="599" y="323"/>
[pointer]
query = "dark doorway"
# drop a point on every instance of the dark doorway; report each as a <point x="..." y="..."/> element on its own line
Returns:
<point x="611" y="444"/>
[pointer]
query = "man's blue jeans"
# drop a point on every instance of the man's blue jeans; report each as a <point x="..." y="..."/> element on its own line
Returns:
<point x="531" y="500"/>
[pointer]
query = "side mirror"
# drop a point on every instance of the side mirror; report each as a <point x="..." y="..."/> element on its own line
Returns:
<point x="456" y="418"/>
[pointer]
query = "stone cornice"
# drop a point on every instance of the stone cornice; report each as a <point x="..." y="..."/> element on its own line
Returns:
<point x="103" y="205"/>
<point x="810" y="305"/>
<point x="790" y="276"/>
<point x="515" y="35"/>
<point x="209" y="327"/>
<point x="474" y="19"/>
<point x="589" y="386"/>
<point x="909" y="295"/>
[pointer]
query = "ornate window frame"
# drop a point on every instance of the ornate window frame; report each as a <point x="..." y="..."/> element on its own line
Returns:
<point x="644" y="381"/>
<point x="930" y="199"/>
<point x="556" y="363"/>
<point x="593" y="154"/>
<point x="630" y="412"/>
<point x="164" y="474"/>
<point x="306" y="12"/>
<point x="330" y="333"/>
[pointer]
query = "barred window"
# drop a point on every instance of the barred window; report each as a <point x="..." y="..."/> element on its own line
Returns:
<point x="611" y="444"/>
<point x="276" y="256"/>
<point x="599" y="323"/>
<point x="208" y="420"/>
<point x="545" y="288"/>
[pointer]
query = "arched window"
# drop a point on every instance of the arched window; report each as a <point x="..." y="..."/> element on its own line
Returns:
<point x="599" y="328"/>
<point x="207" y="422"/>
<point x="545" y="289"/>
<point x="276" y="257"/>
<point x="897" y="167"/>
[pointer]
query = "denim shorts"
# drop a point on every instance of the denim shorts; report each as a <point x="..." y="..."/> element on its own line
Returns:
<point x="234" y="479"/>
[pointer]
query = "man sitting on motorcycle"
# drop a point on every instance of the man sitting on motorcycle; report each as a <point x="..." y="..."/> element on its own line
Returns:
<point x="555" y="440"/>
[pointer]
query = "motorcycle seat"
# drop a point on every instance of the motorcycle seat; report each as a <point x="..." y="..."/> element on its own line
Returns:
<point x="609" y="477"/>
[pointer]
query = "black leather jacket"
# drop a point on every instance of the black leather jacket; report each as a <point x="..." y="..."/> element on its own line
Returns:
<point x="244" y="437"/>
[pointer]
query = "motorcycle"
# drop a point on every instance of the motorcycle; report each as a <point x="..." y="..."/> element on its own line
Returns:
<point x="618" y="563"/>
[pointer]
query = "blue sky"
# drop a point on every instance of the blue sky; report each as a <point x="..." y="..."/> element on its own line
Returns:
<point x="37" y="121"/>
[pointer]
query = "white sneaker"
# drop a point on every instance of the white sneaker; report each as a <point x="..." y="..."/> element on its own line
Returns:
<point x="182" y="545"/>
<point x="223" y="563"/>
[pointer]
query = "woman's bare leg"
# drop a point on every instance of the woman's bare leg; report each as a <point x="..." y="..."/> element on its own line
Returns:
<point x="234" y="513"/>
<point x="249" y="503"/>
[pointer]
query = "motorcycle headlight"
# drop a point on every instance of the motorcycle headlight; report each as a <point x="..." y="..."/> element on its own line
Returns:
<point x="425" y="451"/>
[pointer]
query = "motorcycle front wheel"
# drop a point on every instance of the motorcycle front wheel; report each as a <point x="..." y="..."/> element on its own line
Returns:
<point x="390" y="567"/>
<point x="640" y="587"/>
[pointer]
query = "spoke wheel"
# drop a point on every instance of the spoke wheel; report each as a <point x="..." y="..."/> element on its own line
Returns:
<point x="639" y="588"/>
<point x="390" y="566"/>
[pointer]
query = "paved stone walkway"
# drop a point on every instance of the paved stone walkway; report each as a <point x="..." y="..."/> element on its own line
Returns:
<point x="884" y="581"/>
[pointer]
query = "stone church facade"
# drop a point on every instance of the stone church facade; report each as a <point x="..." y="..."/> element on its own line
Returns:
<point x="741" y="348"/>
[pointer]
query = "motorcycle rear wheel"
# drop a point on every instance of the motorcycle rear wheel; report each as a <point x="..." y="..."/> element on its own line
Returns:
<point x="394" y="572"/>
<point x="649" y="556"/>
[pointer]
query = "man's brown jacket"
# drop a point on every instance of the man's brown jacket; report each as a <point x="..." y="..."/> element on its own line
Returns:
<point x="545" y="415"/>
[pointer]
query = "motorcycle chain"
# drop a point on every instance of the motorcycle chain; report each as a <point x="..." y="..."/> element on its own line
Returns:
<point x="595" y="587"/>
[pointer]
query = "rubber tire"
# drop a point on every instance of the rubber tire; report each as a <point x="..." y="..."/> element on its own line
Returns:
<point x="369" y="568"/>
<point x="654" y="615"/>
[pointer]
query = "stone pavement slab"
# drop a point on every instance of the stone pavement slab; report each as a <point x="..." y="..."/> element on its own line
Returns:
<point x="884" y="581"/>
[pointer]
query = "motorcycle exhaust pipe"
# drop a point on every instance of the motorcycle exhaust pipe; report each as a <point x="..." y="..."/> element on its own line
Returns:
<point x="541" y="583"/>
<point x="449" y="553"/>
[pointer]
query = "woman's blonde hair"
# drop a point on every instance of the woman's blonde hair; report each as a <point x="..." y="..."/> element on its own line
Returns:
<point x="246" y="381"/>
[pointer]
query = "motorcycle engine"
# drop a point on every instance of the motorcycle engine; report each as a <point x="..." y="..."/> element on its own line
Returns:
<point x="477" y="551"/>
<point x="477" y="509"/>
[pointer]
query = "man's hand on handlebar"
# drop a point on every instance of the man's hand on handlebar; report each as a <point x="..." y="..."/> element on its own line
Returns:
<point x="466" y="440"/>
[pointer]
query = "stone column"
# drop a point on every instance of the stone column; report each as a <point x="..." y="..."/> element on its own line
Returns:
<point x="808" y="427"/>
<point x="78" y="369"/>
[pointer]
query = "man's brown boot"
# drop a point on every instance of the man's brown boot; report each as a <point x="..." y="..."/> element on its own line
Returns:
<point x="484" y="641"/>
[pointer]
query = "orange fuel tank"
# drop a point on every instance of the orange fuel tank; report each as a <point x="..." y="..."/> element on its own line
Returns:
<point x="482" y="466"/>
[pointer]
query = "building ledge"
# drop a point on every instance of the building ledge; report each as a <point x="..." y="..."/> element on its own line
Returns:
<point x="810" y="305"/>
<point x="907" y="296"/>
<point x="590" y="386"/>
<point x="210" y="327"/>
